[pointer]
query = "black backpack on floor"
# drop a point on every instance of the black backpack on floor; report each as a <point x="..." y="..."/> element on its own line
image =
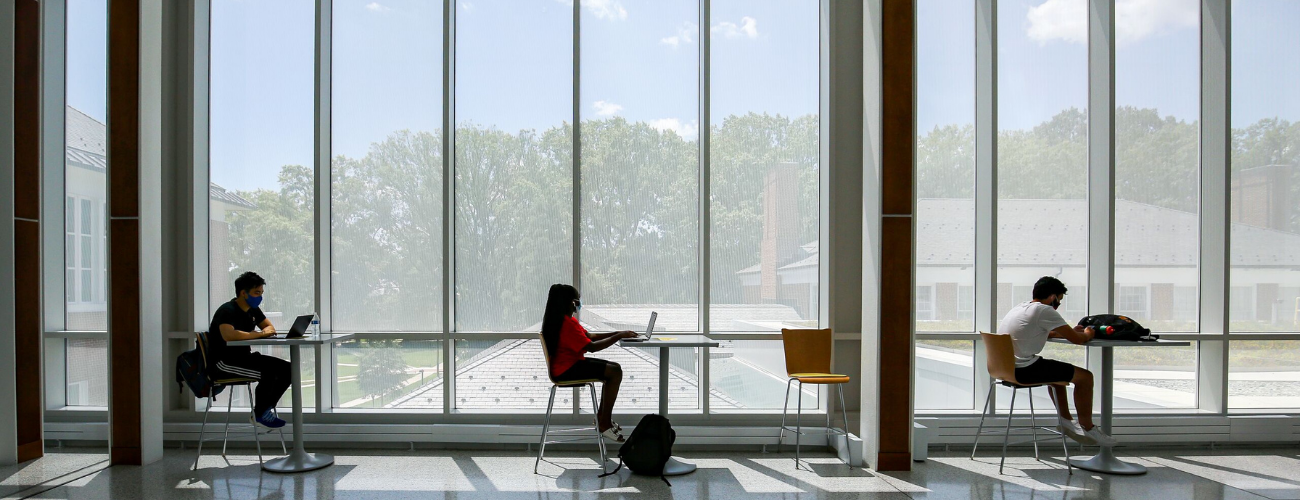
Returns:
<point x="649" y="447"/>
<point x="1116" y="327"/>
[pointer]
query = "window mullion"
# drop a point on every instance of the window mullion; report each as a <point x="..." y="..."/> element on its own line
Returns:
<point x="448" y="203"/>
<point x="1215" y="251"/>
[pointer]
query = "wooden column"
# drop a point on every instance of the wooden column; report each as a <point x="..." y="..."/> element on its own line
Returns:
<point x="898" y="144"/>
<point x="134" y="246"/>
<point x="27" y="229"/>
<point x="889" y="137"/>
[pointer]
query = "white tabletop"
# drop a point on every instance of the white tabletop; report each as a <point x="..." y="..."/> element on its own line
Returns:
<point x="670" y="340"/>
<point x="1128" y="343"/>
<point x="324" y="338"/>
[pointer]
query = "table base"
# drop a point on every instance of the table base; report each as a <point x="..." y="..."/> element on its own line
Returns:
<point x="1106" y="462"/>
<point x="676" y="467"/>
<point x="299" y="461"/>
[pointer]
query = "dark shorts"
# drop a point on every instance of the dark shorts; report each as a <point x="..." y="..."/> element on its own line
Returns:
<point x="1045" y="371"/>
<point x="585" y="369"/>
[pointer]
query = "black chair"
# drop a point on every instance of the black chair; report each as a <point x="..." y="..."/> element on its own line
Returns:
<point x="201" y="338"/>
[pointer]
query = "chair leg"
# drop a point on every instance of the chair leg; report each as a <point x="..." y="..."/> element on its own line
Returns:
<point x="983" y="414"/>
<point x="546" y="427"/>
<point x="1011" y="413"/>
<point x="203" y="428"/>
<point x="1066" y="446"/>
<point x="225" y="437"/>
<point x="600" y="440"/>
<point x="256" y="440"/>
<point x="283" y="449"/>
<point x="785" y="406"/>
<point x="1033" y="422"/>
<point x="845" y="413"/>
<point x="798" y="425"/>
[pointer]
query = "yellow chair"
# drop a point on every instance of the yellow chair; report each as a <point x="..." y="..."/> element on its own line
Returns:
<point x="201" y="340"/>
<point x="590" y="384"/>
<point x="808" y="361"/>
<point x="1002" y="370"/>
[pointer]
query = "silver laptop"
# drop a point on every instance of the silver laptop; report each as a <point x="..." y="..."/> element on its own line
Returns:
<point x="649" y="330"/>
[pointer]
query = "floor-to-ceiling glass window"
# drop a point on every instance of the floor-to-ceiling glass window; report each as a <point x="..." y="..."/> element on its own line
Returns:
<point x="640" y="171"/>
<point x="514" y="188"/>
<point x="262" y="193"/>
<point x="387" y="197"/>
<point x="640" y="164"/>
<point x="86" y="360"/>
<point x="764" y="188"/>
<point x="1157" y="196"/>
<point x="1042" y="158"/>
<point x="945" y="205"/>
<point x="1265" y="197"/>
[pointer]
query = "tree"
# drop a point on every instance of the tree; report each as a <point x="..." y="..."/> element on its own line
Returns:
<point x="380" y="367"/>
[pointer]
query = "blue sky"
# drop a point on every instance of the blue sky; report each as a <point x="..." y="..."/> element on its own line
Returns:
<point x="639" y="60"/>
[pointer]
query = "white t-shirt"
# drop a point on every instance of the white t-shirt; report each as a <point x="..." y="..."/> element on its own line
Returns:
<point x="1028" y="324"/>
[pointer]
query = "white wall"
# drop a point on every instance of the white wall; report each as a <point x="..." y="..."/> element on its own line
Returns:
<point x="8" y="396"/>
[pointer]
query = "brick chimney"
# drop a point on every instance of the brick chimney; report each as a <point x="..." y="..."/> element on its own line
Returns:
<point x="1261" y="196"/>
<point x="780" y="244"/>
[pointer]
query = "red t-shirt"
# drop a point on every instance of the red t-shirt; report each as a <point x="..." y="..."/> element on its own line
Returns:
<point x="573" y="343"/>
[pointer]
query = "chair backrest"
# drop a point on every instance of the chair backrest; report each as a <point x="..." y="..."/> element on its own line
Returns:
<point x="1001" y="356"/>
<point x="807" y="351"/>
<point x="546" y="355"/>
<point x="201" y="341"/>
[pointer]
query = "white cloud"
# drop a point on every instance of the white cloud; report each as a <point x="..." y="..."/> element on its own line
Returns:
<point x="1138" y="19"/>
<point x="685" y="130"/>
<point x="1067" y="20"/>
<point x="604" y="108"/>
<point x="376" y="7"/>
<point x="748" y="28"/>
<point x="603" y="9"/>
<point x="468" y="6"/>
<point x="685" y="35"/>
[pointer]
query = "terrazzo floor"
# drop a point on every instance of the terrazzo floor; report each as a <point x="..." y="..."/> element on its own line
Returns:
<point x="1175" y="473"/>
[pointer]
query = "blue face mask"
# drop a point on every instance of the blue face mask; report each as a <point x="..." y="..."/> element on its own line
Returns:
<point x="254" y="301"/>
<point x="577" y="305"/>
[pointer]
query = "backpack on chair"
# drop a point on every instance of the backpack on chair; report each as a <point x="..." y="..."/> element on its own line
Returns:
<point x="649" y="447"/>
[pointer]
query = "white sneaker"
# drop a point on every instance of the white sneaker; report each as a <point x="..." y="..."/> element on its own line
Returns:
<point x="1099" y="437"/>
<point x="1071" y="429"/>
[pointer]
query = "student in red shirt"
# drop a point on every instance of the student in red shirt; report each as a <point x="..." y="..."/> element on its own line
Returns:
<point x="567" y="342"/>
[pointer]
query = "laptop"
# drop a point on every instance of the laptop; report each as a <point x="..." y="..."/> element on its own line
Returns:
<point x="299" y="327"/>
<point x="649" y="331"/>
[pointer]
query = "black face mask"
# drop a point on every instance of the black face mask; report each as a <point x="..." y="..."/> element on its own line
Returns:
<point x="1056" y="304"/>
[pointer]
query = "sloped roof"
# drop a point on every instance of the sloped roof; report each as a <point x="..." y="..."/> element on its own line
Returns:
<point x="86" y="137"/>
<point x="512" y="374"/>
<point x="1054" y="232"/>
<point x="682" y="317"/>
<point x="220" y="194"/>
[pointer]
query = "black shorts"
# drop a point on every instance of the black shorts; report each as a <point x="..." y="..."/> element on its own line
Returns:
<point x="1045" y="371"/>
<point x="585" y="369"/>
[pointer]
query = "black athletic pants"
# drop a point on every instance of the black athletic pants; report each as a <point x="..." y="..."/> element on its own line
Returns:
<point x="272" y="376"/>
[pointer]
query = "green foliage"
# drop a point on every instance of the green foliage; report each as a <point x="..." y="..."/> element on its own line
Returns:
<point x="275" y="240"/>
<point x="1157" y="158"/>
<point x="380" y="367"/>
<point x="513" y="223"/>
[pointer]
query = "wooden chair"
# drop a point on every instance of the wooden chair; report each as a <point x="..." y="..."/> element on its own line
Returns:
<point x="1002" y="370"/>
<point x="201" y="340"/>
<point x="808" y="361"/>
<point x="590" y="384"/>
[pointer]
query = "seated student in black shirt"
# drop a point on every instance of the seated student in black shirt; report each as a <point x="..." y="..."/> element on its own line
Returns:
<point x="241" y="319"/>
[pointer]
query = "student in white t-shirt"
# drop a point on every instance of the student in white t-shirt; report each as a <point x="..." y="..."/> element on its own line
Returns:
<point x="1030" y="324"/>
